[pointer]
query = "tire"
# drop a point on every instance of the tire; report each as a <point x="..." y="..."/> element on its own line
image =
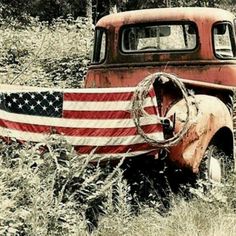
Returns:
<point x="216" y="165"/>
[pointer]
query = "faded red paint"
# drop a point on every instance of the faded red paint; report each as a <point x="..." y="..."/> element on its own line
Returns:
<point x="199" y="65"/>
<point x="212" y="117"/>
<point x="223" y="74"/>
<point x="199" y="69"/>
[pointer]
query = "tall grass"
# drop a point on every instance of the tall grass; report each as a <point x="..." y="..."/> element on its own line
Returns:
<point x="48" y="189"/>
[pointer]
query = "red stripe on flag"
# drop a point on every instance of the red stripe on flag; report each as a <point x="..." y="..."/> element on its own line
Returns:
<point x="104" y="114"/>
<point x="79" y="132"/>
<point x="151" y="93"/>
<point x="119" y="149"/>
<point x="100" y="97"/>
<point x="97" y="114"/>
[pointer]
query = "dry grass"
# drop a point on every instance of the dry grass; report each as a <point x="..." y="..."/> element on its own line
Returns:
<point x="185" y="218"/>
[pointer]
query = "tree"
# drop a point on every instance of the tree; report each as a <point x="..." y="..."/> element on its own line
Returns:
<point x="105" y="7"/>
<point x="89" y="10"/>
<point x="47" y="10"/>
<point x="14" y="9"/>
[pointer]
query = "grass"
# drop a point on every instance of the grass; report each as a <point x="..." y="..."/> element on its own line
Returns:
<point x="185" y="218"/>
<point x="48" y="189"/>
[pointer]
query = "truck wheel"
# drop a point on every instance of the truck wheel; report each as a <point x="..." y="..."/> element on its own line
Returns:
<point x="216" y="165"/>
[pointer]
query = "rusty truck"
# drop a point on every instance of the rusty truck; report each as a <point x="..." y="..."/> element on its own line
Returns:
<point x="198" y="46"/>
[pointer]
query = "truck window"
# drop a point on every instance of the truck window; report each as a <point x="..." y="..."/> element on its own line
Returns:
<point x="168" y="37"/>
<point x="99" y="51"/>
<point x="235" y="27"/>
<point x="223" y="41"/>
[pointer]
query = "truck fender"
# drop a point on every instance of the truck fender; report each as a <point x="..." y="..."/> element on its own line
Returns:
<point x="209" y="119"/>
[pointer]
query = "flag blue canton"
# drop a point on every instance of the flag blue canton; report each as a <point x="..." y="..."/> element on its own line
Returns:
<point x="33" y="103"/>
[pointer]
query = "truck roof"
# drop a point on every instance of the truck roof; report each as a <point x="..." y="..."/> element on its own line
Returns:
<point x="166" y="14"/>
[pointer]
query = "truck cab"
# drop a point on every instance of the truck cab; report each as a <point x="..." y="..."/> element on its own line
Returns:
<point x="195" y="44"/>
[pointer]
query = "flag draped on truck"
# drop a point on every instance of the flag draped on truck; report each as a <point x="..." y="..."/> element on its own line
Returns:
<point x="96" y="120"/>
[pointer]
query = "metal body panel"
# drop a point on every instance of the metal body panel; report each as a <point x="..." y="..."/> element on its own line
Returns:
<point x="212" y="116"/>
<point x="222" y="74"/>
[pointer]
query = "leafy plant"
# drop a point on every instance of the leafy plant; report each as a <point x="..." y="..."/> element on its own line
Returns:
<point x="48" y="189"/>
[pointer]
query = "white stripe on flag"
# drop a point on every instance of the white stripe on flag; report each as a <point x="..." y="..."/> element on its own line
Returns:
<point x="75" y="140"/>
<point x="76" y="123"/>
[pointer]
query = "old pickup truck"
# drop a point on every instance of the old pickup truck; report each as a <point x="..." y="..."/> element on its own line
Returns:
<point x="197" y="45"/>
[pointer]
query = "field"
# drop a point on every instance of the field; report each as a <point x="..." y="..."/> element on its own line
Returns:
<point x="55" y="191"/>
<point x="47" y="56"/>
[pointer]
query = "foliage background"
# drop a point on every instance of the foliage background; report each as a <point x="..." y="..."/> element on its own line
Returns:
<point x="47" y="10"/>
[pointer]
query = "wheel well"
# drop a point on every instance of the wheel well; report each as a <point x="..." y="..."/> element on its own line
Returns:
<point x="224" y="139"/>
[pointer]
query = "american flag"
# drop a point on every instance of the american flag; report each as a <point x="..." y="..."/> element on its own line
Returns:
<point x="89" y="119"/>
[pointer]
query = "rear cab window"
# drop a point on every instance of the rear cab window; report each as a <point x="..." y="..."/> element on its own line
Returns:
<point x="159" y="37"/>
<point x="223" y="41"/>
<point x="99" y="51"/>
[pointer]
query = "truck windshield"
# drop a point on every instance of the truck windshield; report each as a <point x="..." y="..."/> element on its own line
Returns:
<point x="168" y="37"/>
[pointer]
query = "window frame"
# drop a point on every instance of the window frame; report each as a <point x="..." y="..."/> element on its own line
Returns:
<point x="232" y="39"/>
<point x="158" y="23"/>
